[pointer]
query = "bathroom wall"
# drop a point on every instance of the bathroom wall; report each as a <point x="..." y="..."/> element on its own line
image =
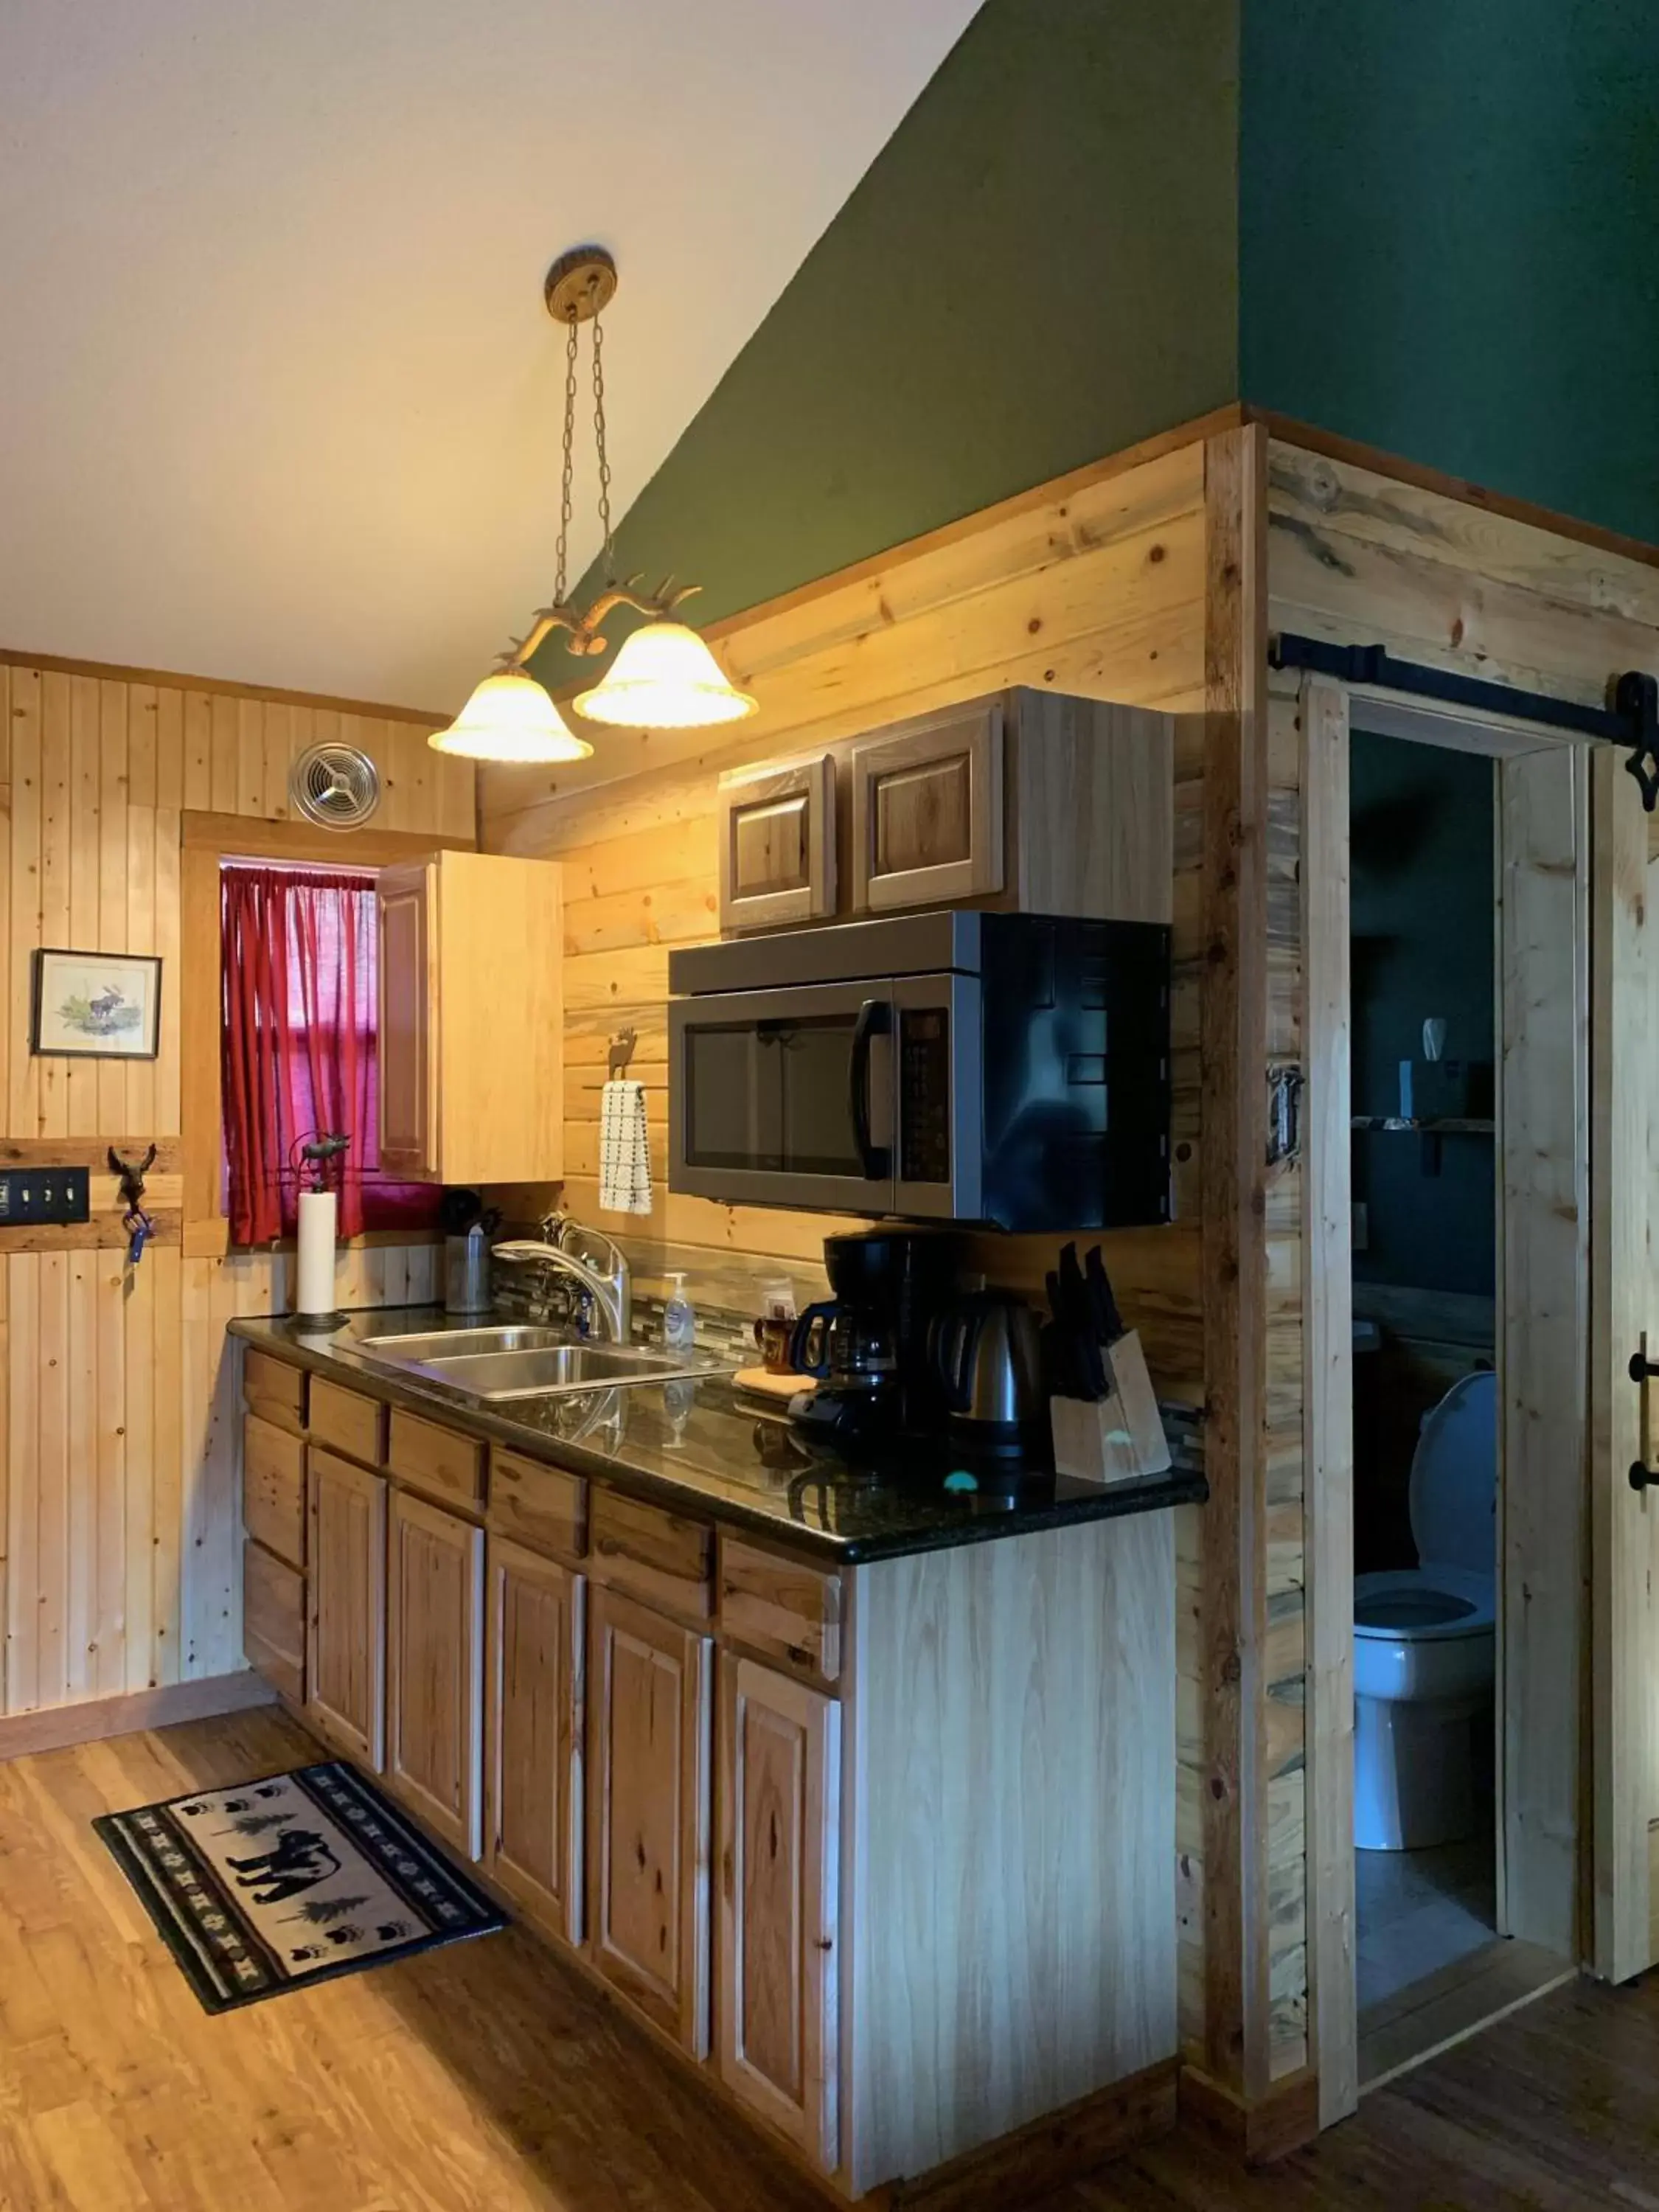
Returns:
<point x="1422" y="945"/>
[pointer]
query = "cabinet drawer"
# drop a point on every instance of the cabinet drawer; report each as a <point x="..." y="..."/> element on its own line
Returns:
<point x="540" y="1506"/>
<point x="656" y="1554"/>
<point x="274" y="1621"/>
<point x="790" y="1612"/>
<point x="274" y="1390"/>
<point x="274" y="1488"/>
<point x="438" y="1461"/>
<point x="347" y="1422"/>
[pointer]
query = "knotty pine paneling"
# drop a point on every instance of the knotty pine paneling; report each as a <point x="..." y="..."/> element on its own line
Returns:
<point x="119" y="1537"/>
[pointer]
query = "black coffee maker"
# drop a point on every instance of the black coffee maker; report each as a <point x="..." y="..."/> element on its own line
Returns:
<point x="867" y="1346"/>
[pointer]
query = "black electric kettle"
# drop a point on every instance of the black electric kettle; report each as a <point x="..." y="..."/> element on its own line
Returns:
<point x="985" y="1350"/>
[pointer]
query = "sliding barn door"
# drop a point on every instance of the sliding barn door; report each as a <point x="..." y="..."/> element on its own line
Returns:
<point x="1623" y="1412"/>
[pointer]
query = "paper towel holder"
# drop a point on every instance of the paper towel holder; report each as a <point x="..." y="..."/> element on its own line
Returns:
<point x="314" y="1159"/>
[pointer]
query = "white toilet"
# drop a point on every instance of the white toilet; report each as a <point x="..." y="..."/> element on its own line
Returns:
<point x="1423" y="1638"/>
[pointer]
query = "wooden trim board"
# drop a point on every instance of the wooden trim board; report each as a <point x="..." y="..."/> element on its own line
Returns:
<point x="1327" y="1406"/>
<point x="1046" y="2153"/>
<point x="1258" y="2132"/>
<point x="1336" y="447"/>
<point x="1233" y="1118"/>
<point x="58" y="1727"/>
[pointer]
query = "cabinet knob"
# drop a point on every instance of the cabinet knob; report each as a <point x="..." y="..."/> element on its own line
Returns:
<point x="1640" y="1475"/>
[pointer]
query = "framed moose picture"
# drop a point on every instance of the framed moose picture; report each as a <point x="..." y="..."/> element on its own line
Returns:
<point x="97" y="1005"/>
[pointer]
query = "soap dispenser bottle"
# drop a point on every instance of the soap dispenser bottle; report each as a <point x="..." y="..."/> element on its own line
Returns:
<point x="679" y="1319"/>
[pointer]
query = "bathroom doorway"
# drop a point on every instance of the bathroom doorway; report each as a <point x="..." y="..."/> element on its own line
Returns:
<point x="1445" y="1196"/>
<point x="1424" y="1045"/>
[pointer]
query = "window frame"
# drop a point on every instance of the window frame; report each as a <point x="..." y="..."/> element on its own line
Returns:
<point x="207" y="841"/>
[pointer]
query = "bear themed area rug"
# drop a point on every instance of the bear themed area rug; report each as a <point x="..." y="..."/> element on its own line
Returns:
<point x="289" y="1881"/>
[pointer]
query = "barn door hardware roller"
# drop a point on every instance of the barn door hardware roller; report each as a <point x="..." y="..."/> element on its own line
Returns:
<point x="1632" y="719"/>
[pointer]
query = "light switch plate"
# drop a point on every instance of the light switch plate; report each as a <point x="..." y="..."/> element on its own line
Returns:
<point x="31" y="1195"/>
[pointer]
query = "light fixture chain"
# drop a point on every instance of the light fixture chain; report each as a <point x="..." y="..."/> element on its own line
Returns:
<point x="599" y="442"/>
<point x="570" y="463"/>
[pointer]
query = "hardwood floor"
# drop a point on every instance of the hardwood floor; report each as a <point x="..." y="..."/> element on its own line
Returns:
<point x="478" y="2075"/>
<point x="482" y="2075"/>
<point x="1555" y="2109"/>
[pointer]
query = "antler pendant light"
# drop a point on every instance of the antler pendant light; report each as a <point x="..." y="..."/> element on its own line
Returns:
<point x="665" y="677"/>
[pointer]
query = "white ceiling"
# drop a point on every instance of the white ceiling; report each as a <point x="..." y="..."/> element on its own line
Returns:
<point x="279" y="400"/>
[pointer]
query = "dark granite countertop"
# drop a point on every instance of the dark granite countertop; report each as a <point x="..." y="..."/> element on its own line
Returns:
<point x="701" y="1446"/>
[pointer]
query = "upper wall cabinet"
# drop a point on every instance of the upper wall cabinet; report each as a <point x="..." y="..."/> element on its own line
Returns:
<point x="777" y="833"/>
<point x="472" y="1074"/>
<point x="1027" y="802"/>
<point x="927" y="813"/>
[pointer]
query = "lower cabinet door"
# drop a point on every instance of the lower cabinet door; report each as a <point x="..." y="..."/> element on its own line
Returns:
<point x="274" y="1620"/>
<point x="434" y="1670"/>
<point x="345" y="1628"/>
<point x="533" y="1735"/>
<point x="780" y="1798"/>
<point x="649" y="1728"/>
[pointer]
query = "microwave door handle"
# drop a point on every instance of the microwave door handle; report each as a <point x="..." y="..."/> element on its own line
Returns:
<point x="875" y="1014"/>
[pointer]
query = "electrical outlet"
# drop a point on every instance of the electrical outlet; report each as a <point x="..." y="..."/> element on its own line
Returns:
<point x="1361" y="1231"/>
<point x="36" y="1194"/>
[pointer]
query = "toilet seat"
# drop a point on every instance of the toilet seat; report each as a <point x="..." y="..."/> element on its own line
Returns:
<point x="1423" y="1632"/>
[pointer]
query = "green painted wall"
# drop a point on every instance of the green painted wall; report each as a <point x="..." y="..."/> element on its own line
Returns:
<point x="1450" y="237"/>
<point x="1430" y="225"/>
<point x="1038" y="269"/>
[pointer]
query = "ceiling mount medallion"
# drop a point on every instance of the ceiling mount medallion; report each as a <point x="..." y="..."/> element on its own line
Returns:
<point x="665" y="677"/>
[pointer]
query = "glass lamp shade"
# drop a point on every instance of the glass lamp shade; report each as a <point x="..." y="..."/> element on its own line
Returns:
<point x="510" y="718"/>
<point x="665" y="677"/>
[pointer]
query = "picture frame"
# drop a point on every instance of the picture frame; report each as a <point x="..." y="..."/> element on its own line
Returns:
<point x="95" y="1006"/>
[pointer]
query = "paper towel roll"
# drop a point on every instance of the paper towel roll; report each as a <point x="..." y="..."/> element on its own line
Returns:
<point x="316" y="1294"/>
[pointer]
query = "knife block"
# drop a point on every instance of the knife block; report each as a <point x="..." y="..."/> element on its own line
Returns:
<point x="1118" y="1436"/>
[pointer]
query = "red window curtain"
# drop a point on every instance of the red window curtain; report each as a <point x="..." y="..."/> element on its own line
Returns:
<point x="301" y="1005"/>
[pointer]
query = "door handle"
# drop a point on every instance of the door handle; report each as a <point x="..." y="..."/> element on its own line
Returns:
<point x="874" y="1015"/>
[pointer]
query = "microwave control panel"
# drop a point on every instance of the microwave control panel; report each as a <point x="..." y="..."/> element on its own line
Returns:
<point x="924" y="1074"/>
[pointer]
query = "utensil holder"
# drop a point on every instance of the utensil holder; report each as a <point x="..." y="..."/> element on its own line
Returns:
<point x="1118" y="1436"/>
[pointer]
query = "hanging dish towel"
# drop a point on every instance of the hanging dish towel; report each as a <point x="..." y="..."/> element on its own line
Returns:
<point x="624" y="1153"/>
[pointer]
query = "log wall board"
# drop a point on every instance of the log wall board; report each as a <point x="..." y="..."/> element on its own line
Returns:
<point x="119" y="1569"/>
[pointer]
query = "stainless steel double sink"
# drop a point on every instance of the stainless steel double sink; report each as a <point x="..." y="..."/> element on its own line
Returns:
<point x="516" y="1360"/>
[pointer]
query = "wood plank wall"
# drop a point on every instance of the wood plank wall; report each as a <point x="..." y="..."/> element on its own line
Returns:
<point x="1111" y="573"/>
<point x="118" y="1515"/>
<point x="1359" y="556"/>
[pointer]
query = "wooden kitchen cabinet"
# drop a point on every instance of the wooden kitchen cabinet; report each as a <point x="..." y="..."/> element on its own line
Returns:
<point x="471" y="1053"/>
<point x="345" y="1629"/>
<point x="533" y="1735"/>
<point x="777" y="842"/>
<point x="649" y="1730"/>
<point x="434" y="1670"/>
<point x="779" y="1876"/>
<point x="1024" y="801"/>
<point x="927" y="804"/>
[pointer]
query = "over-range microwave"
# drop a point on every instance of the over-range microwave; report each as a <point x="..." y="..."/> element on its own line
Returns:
<point x="1009" y="1069"/>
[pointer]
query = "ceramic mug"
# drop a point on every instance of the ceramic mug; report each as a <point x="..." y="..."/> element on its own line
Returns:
<point x="772" y="1333"/>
